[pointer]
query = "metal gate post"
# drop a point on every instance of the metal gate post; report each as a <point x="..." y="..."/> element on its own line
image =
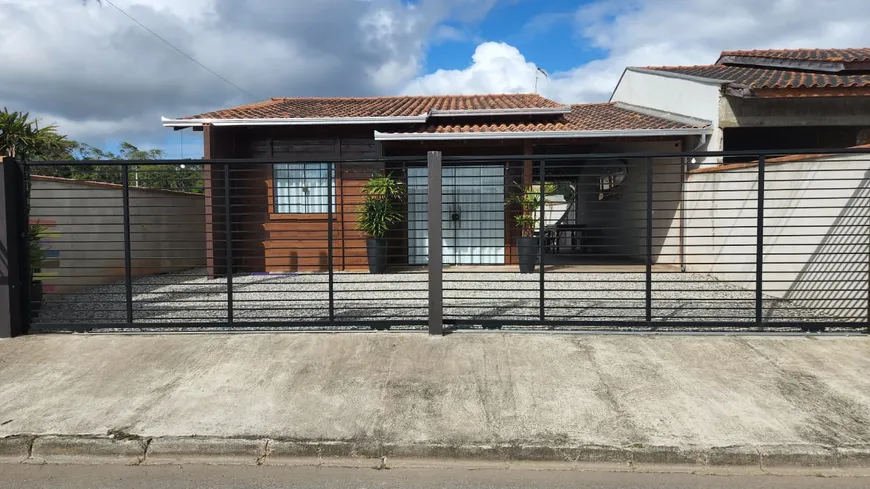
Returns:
<point x="649" y="239"/>
<point x="128" y="253"/>
<point x="759" y="246"/>
<point x="228" y="237"/>
<point x="542" y="242"/>
<point x="330" y="168"/>
<point x="436" y="285"/>
<point x="13" y="250"/>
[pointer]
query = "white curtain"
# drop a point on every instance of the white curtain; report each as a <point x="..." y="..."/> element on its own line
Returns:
<point x="476" y="193"/>
<point x="301" y="188"/>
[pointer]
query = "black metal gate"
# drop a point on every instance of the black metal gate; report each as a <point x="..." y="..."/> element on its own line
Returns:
<point x="765" y="242"/>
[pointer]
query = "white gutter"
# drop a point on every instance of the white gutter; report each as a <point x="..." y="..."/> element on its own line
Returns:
<point x="463" y="136"/>
<point x="486" y="112"/>
<point x="295" y="121"/>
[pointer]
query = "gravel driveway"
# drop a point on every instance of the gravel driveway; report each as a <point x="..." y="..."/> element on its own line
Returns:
<point x="687" y="300"/>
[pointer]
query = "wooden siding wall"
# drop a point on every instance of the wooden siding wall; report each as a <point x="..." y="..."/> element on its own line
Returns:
<point x="299" y="242"/>
<point x="217" y="143"/>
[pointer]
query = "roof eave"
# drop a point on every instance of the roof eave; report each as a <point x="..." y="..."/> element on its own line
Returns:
<point x="463" y="136"/>
<point x="680" y="76"/>
<point x="661" y="114"/>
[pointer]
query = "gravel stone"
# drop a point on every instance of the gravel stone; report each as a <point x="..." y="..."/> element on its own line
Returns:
<point x="299" y="301"/>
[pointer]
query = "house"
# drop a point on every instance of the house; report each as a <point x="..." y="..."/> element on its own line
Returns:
<point x="279" y="212"/>
<point x="747" y="100"/>
<point x="786" y="99"/>
<point x="814" y="240"/>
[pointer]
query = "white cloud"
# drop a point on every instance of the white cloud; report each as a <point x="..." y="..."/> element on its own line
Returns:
<point x="496" y="68"/>
<point x="101" y="77"/>
<point x="655" y="32"/>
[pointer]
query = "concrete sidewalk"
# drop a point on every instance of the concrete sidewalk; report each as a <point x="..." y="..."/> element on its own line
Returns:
<point x="266" y="397"/>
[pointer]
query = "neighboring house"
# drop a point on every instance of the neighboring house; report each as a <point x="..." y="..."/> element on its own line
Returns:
<point x="764" y="100"/>
<point x="279" y="212"/>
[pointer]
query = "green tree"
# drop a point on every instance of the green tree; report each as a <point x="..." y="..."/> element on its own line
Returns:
<point x="22" y="138"/>
<point x="184" y="177"/>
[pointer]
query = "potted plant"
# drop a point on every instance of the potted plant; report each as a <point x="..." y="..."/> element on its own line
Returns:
<point x="377" y="214"/>
<point x="37" y="257"/>
<point x="529" y="202"/>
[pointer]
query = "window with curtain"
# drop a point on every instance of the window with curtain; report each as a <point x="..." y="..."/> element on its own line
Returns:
<point x="302" y="188"/>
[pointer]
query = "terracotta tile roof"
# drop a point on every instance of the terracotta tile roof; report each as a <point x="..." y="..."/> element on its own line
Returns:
<point x="406" y="106"/>
<point x="833" y="55"/>
<point x="583" y="117"/>
<point x="753" y="77"/>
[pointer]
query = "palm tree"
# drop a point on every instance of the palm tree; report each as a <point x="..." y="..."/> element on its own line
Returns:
<point x="22" y="138"/>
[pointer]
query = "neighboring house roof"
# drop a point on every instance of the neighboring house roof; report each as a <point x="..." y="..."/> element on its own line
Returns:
<point x="783" y="72"/>
<point x="845" y="55"/>
<point x="584" y="120"/>
<point x="752" y="77"/>
<point x="404" y="109"/>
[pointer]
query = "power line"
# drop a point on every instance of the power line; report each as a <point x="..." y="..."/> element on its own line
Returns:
<point x="158" y="36"/>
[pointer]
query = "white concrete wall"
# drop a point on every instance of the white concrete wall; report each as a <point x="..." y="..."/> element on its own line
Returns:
<point x="629" y="215"/>
<point x="167" y="231"/>
<point x="675" y="95"/>
<point x="815" y="231"/>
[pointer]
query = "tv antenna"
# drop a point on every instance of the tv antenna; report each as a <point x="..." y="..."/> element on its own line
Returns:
<point x="541" y="71"/>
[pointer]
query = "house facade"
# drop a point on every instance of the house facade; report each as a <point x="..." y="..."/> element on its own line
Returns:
<point x="279" y="213"/>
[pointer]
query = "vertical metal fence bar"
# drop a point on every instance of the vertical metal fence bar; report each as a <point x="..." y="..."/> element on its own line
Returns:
<point x="228" y="236"/>
<point x="649" y="239"/>
<point x="436" y="284"/>
<point x="329" y="240"/>
<point x="14" y="268"/>
<point x="759" y="246"/>
<point x="128" y="255"/>
<point x="542" y="241"/>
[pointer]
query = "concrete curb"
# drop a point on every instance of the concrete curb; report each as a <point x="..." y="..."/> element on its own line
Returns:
<point x="133" y="450"/>
<point x="87" y="450"/>
<point x="227" y="451"/>
<point x="15" y="448"/>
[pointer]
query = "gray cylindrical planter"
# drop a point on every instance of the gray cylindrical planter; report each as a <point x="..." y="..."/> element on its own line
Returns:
<point x="376" y="251"/>
<point x="527" y="251"/>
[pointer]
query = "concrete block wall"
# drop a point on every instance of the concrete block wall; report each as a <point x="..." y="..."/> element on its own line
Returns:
<point x="816" y="221"/>
<point x="85" y="220"/>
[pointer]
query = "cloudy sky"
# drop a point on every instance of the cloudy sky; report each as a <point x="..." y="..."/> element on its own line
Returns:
<point x="103" y="78"/>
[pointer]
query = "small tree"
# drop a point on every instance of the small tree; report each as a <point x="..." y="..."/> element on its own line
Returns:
<point x="34" y="248"/>
<point x="23" y="139"/>
<point x="378" y="212"/>
<point x="529" y="202"/>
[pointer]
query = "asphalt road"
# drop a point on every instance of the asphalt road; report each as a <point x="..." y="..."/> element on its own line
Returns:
<point x="229" y="477"/>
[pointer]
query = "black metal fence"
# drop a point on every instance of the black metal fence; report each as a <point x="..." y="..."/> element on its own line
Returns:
<point x="589" y="242"/>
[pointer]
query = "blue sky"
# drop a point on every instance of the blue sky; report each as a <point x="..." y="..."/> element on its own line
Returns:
<point x="544" y="31"/>
<point x="103" y="79"/>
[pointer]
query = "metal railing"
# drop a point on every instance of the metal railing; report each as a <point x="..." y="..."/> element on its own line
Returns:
<point x="627" y="242"/>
